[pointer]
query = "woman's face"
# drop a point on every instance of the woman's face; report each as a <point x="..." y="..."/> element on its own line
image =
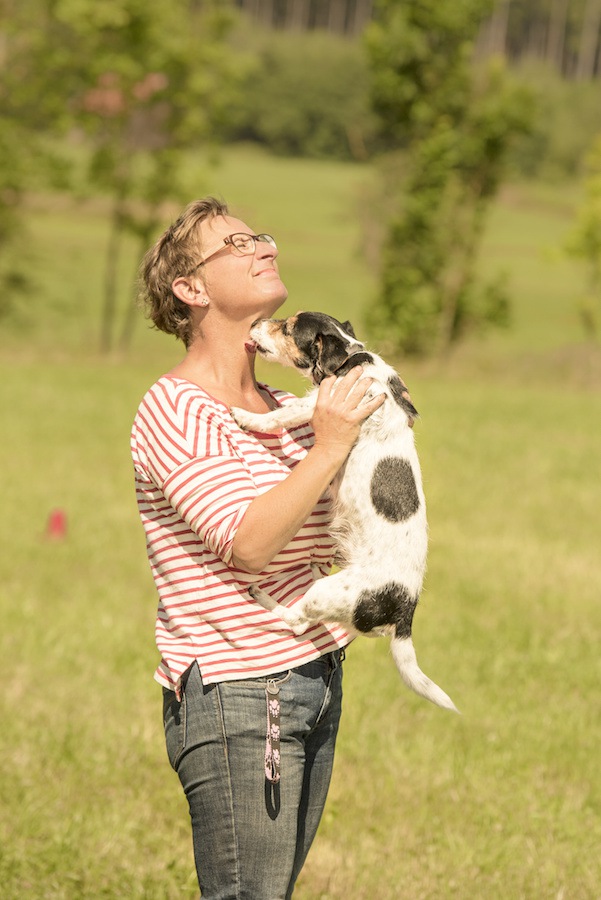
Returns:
<point x="241" y="286"/>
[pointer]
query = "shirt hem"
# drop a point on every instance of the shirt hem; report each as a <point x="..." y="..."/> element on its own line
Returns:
<point x="257" y="671"/>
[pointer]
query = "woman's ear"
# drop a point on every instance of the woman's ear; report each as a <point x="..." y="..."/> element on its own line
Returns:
<point x="190" y="291"/>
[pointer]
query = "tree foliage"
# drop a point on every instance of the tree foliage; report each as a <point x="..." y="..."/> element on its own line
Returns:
<point x="143" y="80"/>
<point x="26" y="109"/>
<point x="148" y="80"/>
<point x="305" y="95"/>
<point x="584" y="242"/>
<point x="453" y="123"/>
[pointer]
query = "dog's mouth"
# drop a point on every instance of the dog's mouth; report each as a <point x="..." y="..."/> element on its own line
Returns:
<point x="252" y="346"/>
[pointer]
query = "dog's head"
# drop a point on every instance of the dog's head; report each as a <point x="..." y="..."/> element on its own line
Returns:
<point x="315" y="344"/>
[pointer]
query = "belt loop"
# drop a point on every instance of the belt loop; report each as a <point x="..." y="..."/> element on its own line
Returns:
<point x="335" y="659"/>
<point x="183" y="681"/>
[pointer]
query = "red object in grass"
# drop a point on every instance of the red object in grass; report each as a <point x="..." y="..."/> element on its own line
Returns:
<point x="56" y="528"/>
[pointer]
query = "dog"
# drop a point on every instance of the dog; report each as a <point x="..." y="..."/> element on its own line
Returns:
<point x="379" y="520"/>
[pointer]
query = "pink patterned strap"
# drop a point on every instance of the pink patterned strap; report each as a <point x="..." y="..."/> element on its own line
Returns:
<point x="272" y="742"/>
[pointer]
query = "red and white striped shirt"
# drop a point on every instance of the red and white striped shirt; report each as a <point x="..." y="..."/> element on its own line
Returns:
<point x="196" y="474"/>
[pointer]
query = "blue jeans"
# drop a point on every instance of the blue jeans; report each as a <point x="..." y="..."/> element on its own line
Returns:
<point x="251" y="837"/>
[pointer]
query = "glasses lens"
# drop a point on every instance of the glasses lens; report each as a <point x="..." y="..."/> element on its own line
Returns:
<point x="245" y="243"/>
<point x="266" y="239"/>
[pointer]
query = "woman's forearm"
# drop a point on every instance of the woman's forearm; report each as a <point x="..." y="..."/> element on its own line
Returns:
<point x="273" y="518"/>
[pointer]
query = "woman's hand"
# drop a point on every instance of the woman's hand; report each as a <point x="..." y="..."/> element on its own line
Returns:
<point x="340" y="412"/>
<point x="273" y="518"/>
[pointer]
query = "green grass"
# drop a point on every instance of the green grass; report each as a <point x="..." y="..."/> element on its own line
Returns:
<point x="502" y="802"/>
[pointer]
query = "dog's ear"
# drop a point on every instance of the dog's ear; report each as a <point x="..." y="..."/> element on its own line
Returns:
<point x="331" y="353"/>
<point x="400" y="395"/>
<point x="348" y="328"/>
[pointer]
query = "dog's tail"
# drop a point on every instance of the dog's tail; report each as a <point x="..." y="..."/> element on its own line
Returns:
<point x="403" y="652"/>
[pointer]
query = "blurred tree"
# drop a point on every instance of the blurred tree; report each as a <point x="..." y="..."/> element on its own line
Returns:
<point x="145" y="81"/>
<point x="13" y="278"/>
<point x="337" y="16"/>
<point x="307" y="96"/>
<point x="556" y="33"/>
<point x="589" y="40"/>
<point x="24" y="160"/>
<point x="453" y="124"/>
<point x="584" y="242"/>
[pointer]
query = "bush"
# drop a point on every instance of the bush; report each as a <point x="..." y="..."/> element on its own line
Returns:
<point x="567" y="118"/>
<point x="305" y="95"/>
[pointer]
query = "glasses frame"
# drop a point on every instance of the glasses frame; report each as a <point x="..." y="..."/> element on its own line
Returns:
<point x="229" y="241"/>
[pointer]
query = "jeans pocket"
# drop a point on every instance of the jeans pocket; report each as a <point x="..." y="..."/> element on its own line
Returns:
<point x="174" y="721"/>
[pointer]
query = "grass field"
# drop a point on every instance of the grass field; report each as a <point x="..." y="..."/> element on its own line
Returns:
<point x="502" y="802"/>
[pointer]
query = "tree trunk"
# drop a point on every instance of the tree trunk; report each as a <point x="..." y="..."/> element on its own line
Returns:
<point x="265" y="12"/>
<point x="132" y="311"/>
<point x="589" y="40"/>
<point x="537" y="40"/>
<point x="297" y="15"/>
<point x="492" y="34"/>
<point x="111" y="274"/>
<point x="363" y="13"/>
<point x="337" y="16"/>
<point x="465" y="254"/>
<point x="556" y="35"/>
<point x="251" y="7"/>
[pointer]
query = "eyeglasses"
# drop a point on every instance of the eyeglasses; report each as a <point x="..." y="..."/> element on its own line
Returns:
<point x="242" y="244"/>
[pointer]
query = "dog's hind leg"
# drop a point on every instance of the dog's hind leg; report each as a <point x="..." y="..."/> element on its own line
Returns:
<point x="330" y="599"/>
<point x="263" y="598"/>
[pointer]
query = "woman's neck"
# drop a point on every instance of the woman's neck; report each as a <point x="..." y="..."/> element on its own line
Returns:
<point x="226" y="370"/>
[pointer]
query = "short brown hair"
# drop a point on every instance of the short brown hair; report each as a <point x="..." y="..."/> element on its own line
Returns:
<point x="175" y="253"/>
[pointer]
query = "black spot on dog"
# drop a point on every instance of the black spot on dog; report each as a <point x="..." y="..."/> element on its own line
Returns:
<point x="393" y="489"/>
<point x="397" y="388"/>
<point x="390" y="604"/>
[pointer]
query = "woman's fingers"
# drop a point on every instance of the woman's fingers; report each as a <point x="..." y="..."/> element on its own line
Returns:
<point x="356" y="395"/>
<point x="348" y="394"/>
<point x="343" y="388"/>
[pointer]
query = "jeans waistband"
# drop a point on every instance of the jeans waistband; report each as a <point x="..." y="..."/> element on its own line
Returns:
<point x="334" y="659"/>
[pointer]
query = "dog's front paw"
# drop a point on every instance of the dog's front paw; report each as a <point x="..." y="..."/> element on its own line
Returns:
<point x="242" y="417"/>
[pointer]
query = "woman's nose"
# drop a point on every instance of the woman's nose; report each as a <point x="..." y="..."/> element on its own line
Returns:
<point x="265" y="250"/>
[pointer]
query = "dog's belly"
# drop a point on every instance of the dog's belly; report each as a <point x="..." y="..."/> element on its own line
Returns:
<point x="382" y="481"/>
<point x="380" y="520"/>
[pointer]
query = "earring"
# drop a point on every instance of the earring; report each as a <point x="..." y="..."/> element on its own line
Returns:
<point x="204" y="302"/>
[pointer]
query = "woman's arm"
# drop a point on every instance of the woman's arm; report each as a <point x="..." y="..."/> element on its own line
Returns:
<point x="273" y="518"/>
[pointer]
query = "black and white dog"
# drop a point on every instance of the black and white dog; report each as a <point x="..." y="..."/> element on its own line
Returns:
<point x="379" y="507"/>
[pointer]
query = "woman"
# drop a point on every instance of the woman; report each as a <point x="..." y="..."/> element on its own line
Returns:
<point x="223" y="509"/>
